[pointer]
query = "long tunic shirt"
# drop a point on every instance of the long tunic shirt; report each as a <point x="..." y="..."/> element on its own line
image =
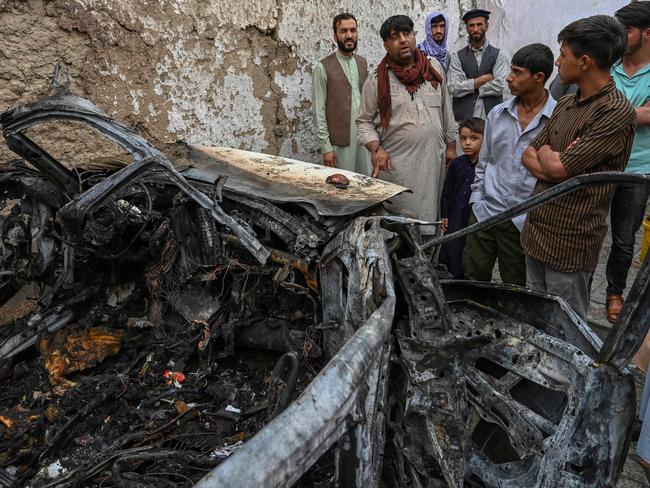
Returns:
<point x="460" y="85"/>
<point x="419" y="129"/>
<point x="352" y="157"/>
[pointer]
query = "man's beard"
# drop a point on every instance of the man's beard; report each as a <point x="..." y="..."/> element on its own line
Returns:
<point x="345" y="48"/>
<point x="477" y="37"/>
<point x="634" y="48"/>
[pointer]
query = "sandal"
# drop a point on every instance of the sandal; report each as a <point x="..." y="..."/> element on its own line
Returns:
<point x="614" y="306"/>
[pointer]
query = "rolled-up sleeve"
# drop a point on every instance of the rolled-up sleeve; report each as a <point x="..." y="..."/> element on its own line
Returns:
<point x="366" y="130"/>
<point x="459" y="85"/>
<point x="500" y="70"/>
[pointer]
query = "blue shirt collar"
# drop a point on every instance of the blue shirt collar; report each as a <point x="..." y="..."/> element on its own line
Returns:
<point x="618" y="67"/>
<point x="511" y="107"/>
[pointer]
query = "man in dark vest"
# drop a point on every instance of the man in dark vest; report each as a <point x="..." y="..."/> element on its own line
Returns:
<point x="337" y="84"/>
<point x="477" y="73"/>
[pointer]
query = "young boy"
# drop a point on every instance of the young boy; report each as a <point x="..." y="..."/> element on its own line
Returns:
<point x="454" y="204"/>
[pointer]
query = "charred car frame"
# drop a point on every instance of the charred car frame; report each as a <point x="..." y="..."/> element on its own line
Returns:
<point x="384" y="370"/>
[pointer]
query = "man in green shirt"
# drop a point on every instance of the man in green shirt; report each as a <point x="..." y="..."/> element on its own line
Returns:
<point x="632" y="77"/>
<point x="337" y="83"/>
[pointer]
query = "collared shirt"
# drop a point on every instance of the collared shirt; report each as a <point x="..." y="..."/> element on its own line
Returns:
<point x="566" y="234"/>
<point x="501" y="181"/>
<point x="460" y="85"/>
<point x="636" y="89"/>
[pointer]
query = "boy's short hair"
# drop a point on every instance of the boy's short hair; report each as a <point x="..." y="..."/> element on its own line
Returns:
<point x="475" y="124"/>
<point x="536" y="58"/>
<point x="601" y="37"/>
<point x="636" y="14"/>
<point x="397" y="23"/>
<point x="340" y="17"/>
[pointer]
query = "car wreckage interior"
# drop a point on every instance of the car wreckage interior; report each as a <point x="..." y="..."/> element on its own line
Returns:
<point x="240" y="322"/>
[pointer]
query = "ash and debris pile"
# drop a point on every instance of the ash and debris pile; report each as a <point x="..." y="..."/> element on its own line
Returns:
<point x="157" y="361"/>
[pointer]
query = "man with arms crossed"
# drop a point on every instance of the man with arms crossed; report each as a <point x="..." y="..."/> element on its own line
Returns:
<point x="589" y="132"/>
<point x="477" y="72"/>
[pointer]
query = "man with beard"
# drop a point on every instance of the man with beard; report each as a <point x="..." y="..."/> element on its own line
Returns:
<point x="435" y="43"/>
<point x="406" y="121"/>
<point x="632" y="78"/>
<point x="477" y="73"/>
<point x="337" y="84"/>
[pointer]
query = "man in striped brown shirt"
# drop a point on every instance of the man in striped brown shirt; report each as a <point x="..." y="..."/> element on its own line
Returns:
<point x="589" y="132"/>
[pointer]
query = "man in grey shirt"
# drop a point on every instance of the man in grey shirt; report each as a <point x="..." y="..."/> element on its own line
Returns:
<point x="501" y="181"/>
<point x="477" y="72"/>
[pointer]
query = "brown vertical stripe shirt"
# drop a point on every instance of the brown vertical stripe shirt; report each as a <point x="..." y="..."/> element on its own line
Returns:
<point x="567" y="234"/>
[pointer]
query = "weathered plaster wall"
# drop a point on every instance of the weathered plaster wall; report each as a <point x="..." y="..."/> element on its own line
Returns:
<point x="221" y="72"/>
<point x="516" y="23"/>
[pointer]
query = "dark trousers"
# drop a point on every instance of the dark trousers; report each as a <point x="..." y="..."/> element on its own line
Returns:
<point x="451" y="255"/>
<point x="628" y="208"/>
<point x="484" y="247"/>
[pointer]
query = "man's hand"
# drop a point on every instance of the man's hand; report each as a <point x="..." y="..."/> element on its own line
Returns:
<point x="444" y="225"/>
<point x="329" y="159"/>
<point x="381" y="162"/>
<point x="450" y="153"/>
<point x="482" y="80"/>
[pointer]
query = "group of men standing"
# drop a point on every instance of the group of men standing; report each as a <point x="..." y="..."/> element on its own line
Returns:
<point x="399" y="123"/>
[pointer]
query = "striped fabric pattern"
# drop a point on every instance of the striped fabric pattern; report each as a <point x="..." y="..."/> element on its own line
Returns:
<point x="567" y="234"/>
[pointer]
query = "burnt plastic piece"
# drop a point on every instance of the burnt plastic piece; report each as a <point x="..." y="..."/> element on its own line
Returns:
<point x="338" y="180"/>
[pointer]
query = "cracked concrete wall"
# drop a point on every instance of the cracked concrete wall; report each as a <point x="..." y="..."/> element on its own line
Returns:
<point x="210" y="73"/>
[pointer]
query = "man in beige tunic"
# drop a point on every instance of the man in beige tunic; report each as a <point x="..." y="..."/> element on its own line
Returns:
<point x="406" y="121"/>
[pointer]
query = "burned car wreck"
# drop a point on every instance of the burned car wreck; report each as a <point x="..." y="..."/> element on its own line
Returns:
<point x="241" y="322"/>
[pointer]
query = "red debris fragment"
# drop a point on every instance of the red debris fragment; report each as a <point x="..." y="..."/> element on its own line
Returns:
<point x="173" y="376"/>
<point x="338" y="180"/>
